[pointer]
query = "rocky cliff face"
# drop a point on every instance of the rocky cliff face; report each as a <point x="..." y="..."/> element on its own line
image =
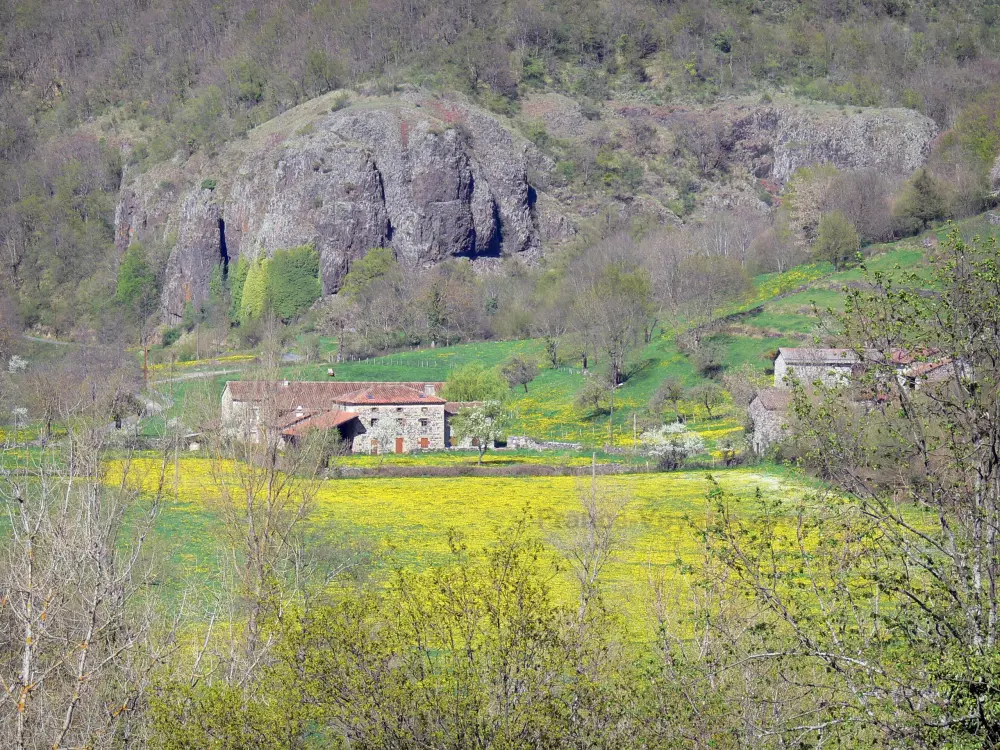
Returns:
<point x="772" y="141"/>
<point x="776" y="141"/>
<point x="431" y="179"/>
<point x="437" y="179"/>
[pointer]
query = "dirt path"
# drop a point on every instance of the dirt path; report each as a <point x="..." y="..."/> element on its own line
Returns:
<point x="41" y="340"/>
<point x="194" y="376"/>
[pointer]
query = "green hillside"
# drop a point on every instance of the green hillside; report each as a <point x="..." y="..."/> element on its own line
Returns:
<point x="786" y="309"/>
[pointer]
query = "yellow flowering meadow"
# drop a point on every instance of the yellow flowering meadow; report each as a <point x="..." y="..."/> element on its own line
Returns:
<point x="780" y="283"/>
<point x="461" y="458"/>
<point x="410" y="518"/>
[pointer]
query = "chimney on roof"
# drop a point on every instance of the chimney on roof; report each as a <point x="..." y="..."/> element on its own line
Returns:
<point x="284" y="383"/>
<point x="428" y="389"/>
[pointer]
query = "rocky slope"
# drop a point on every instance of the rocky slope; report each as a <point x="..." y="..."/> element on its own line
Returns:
<point x="436" y="178"/>
<point x="433" y="179"/>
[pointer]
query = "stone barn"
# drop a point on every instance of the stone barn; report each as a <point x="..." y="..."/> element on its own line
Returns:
<point x="768" y="414"/>
<point x="373" y="417"/>
<point x="831" y="367"/>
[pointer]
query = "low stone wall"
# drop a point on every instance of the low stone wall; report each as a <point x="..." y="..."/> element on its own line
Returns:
<point x="519" y="442"/>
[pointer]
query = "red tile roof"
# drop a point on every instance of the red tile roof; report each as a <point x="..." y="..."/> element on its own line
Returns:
<point x="389" y="393"/>
<point x="310" y="394"/>
<point x="453" y="407"/>
<point x="289" y="418"/>
<point x="325" y="421"/>
<point x="932" y="370"/>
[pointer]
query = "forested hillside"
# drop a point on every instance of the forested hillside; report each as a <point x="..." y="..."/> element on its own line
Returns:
<point x="92" y="92"/>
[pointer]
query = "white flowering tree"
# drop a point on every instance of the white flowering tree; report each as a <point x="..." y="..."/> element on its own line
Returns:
<point x="672" y="444"/>
<point x="383" y="433"/>
<point x="483" y="424"/>
<point x="17" y="364"/>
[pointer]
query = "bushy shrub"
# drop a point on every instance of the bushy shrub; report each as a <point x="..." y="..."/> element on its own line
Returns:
<point x="171" y="335"/>
<point x="186" y="351"/>
<point x="340" y="101"/>
<point x="293" y="281"/>
<point x="476" y="382"/>
<point x="286" y="284"/>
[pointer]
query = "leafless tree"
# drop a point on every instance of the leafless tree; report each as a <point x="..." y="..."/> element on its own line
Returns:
<point x="865" y="198"/>
<point x="80" y="637"/>
<point x="262" y="488"/>
<point x="709" y="139"/>
<point x="594" y="538"/>
<point x="775" y="250"/>
<point x="612" y="300"/>
<point x="336" y="315"/>
<point x="10" y="326"/>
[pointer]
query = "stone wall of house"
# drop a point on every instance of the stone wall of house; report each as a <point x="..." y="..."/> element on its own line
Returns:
<point x="828" y="374"/>
<point x="412" y="422"/>
<point x="466" y="444"/>
<point x="768" y="427"/>
<point x="239" y="418"/>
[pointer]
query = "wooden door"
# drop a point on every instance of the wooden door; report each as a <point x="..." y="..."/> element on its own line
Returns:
<point x="399" y="445"/>
<point x="425" y="443"/>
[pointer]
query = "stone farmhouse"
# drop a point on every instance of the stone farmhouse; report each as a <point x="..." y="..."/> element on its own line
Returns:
<point x="372" y="417"/>
<point x="768" y="412"/>
<point x="829" y="366"/>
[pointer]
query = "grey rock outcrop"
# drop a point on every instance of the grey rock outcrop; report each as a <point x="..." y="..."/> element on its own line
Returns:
<point x="995" y="177"/>
<point x="772" y="141"/>
<point x="197" y="252"/>
<point x="436" y="178"/>
<point x="432" y="179"/>
<point x="893" y="141"/>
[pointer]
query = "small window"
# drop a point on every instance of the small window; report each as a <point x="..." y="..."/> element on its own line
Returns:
<point x="374" y="421"/>
<point x="423" y="409"/>
<point x="399" y="409"/>
<point x="424" y="423"/>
